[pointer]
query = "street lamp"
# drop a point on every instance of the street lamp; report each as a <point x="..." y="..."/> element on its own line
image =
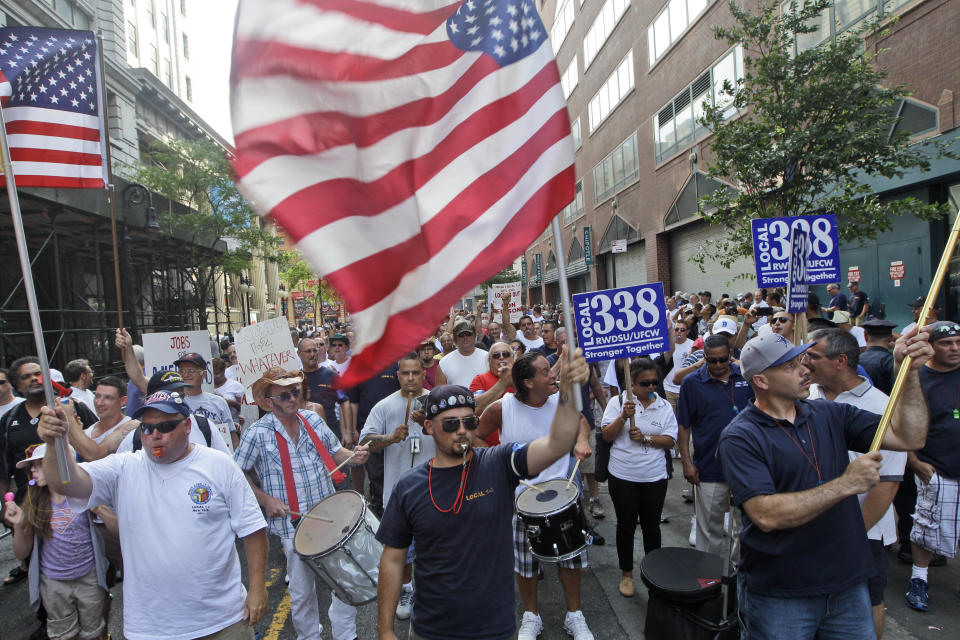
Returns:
<point x="248" y="290"/>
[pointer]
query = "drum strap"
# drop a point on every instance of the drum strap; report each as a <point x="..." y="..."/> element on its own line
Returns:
<point x="328" y="462"/>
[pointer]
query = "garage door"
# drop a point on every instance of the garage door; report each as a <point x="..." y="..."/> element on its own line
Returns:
<point x="630" y="268"/>
<point x="686" y="276"/>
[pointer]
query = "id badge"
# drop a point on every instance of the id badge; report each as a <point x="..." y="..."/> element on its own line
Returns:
<point x="414" y="444"/>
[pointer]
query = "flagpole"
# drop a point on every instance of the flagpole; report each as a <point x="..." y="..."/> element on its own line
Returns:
<point x="7" y="165"/>
<point x="565" y="300"/>
<point x="111" y="194"/>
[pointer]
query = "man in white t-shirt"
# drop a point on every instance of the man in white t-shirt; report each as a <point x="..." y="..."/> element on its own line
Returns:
<point x="527" y="334"/>
<point x="7" y="399"/>
<point x="80" y="376"/>
<point x="109" y="397"/>
<point x="230" y="390"/>
<point x="339" y="348"/>
<point x="680" y="348"/>
<point x="467" y="362"/>
<point x="233" y="370"/>
<point x="832" y="361"/>
<point x="167" y="497"/>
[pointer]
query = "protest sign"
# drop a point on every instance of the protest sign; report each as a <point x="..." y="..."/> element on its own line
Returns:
<point x="495" y="296"/>
<point x="621" y="323"/>
<point x="263" y="346"/>
<point x="161" y="350"/>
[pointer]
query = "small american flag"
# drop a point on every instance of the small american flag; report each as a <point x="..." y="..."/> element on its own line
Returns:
<point x="50" y="94"/>
<point x="411" y="148"/>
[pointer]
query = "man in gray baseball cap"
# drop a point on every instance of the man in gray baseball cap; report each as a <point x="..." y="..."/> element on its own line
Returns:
<point x="803" y="540"/>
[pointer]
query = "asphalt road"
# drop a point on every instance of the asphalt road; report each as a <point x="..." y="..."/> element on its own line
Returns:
<point x="611" y="617"/>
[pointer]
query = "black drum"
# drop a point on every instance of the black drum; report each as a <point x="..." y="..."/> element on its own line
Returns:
<point x="556" y="527"/>
<point x="685" y="596"/>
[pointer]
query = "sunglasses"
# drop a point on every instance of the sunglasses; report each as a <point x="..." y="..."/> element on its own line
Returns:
<point x="501" y="355"/>
<point x="162" y="427"/>
<point x="717" y="360"/>
<point x="464" y="333"/>
<point x="293" y="394"/>
<point x="645" y="383"/>
<point x="3" y="382"/>
<point x="451" y="425"/>
<point x="679" y="328"/>
<point x="780" y="320"/>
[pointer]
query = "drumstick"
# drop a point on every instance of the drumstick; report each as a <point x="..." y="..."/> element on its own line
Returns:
<point x="337" y="468"/>
<point x="308" y="516"/>
<point x="575" y="467"/>
<point x="532" y="486"/>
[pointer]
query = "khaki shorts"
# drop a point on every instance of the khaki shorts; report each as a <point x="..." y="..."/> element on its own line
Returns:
<point x="74" y="607"/>
<point x="237" y="631"/>
<point x="590" y="463"/>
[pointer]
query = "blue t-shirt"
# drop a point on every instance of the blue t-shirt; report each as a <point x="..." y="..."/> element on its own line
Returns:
<point x="942" y="450"/>
<point x="762" y="456"/>
<point x="705" y="407"/>
<point x="839" y="301"/>
<point x="323" y="392"/>
<point x="464" y="561"/>
<point x="134" y="399"/>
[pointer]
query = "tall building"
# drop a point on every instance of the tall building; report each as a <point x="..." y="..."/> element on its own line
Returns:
<point x="635" y="74"/>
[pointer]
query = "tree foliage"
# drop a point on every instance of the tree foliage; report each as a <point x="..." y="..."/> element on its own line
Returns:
<point x="221" y="230"/>
<point x="811" y="127"/>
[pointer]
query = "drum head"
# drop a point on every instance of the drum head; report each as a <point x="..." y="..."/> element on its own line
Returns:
<point x="555" y="495"/>
<point x="315" y="537"/>
<point x="682" y="575"/>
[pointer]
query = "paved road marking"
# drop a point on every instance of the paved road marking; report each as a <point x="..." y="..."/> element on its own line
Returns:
<point x="279" y="619"/>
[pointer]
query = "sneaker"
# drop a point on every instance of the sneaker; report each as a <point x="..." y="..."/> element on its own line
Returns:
<point x="576" y="626"/>
<point x="687" y="495"/>
<point x="530" y="626"/>
<point x="405" y="606"/>
<point x="664" y="519"/>
<point x="596" y="539"/>
<point x="692" y="538"/>
<point x="626" y="587"/>
<point x="917" y="596"/>
<point x="596" y="510"/>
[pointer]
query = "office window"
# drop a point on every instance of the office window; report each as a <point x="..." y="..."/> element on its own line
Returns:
<point x="183" y="7"/>
<point x="165" y="27"/>
<point x="840" y="16"/>
<point x="619" y="169"/>
<point x="562" y="21"/>
<point x="576" y="133"/>
<point x="613" y="90"/>
<point x="576" y="207"/>
<point x="602" y="27"/>
<point x="186" y="47"/>
<point x="152" y="13"/>
<point x="675" y="126"/>
<point x="167" y="73"/>
<point x="154" y="61"/>
<point x="671" y="23"/>
<point x="133" y="48"/>
<point x="189" y="85"/>
<point x="569" y="78"/>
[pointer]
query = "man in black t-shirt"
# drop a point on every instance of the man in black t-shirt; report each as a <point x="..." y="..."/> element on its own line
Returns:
<point x="462" y="594"/>
<point x="858" y="305"/>
<point x="321" y="383"/>
<point x="363" y="398"/>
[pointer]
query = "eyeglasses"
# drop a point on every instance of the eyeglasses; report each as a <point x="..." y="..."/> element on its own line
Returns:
<point x="645" y="383"/>
<point x="679" y="328"/>
<point x="451" y="425"/>
<point x="717" y="360"/>
<point x="3" y="382"/>
<point x="500" y="355"/>
<point x="188" y="371"/>
<point x="780" y="320"/>
<point x="162" y="427"/>
<point x="293" y="394"/>
<point x="464" y="333"/>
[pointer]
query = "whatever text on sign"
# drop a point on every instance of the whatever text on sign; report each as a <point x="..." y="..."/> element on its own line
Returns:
<point x="619" y="323"/>
<point x="263" y="346"/>
<point x="798" y="284"/>
<point x="771" y="248"/>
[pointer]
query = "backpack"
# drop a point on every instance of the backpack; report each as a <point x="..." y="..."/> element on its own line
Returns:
<point x="202" y="422"/>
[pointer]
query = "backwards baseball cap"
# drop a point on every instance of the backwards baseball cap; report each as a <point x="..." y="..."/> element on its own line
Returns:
<point x="192" y="358"/>
<point x="165" y="381"/>
<point x="165" y="401"/>
<point x="448" y="396"/>
<point x="725" y="324"/>
<point x="768" y="350"/>
<point x="943" y="329"/>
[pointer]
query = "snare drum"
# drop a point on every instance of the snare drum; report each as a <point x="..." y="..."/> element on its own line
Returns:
<point x="556" y="527"/>
<point x="344" y="553"/>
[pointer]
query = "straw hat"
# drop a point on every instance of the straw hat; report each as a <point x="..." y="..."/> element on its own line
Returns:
<point x="278" y="376"/>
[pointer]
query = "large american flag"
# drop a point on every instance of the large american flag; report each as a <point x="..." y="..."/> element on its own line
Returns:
<point x="411" y="148"/>
<point x="50" y="94"/>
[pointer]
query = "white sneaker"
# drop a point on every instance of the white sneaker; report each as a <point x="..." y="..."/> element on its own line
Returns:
<point x="405" y="606"/>
<point x="692" y="538"/>
<point x="530" y="626"/>
<point x="576" y="625"/>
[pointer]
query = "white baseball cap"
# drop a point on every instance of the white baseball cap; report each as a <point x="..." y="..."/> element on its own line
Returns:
<point x="724" y="324"/>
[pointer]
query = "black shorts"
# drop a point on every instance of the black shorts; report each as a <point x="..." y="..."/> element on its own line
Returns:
<point x="878" y="582"/>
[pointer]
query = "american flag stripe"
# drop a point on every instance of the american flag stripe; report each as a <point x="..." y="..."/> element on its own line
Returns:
<point x="404" y="186"/>
<point x="28" y="127"/>
<point x="61" y="157"/>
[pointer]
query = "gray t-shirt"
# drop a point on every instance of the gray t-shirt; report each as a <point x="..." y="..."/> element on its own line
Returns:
<point x="212" y="406"/>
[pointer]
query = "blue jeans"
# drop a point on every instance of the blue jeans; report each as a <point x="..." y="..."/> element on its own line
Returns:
<point x="845" y="615"/>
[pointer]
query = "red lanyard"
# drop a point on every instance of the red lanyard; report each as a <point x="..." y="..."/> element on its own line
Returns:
<point x="287" y="467"/>
<point x="813" y="463"/>
<point x="461" y="492"/>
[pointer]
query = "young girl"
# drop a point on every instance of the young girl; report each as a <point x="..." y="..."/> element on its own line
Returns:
<point x="67" y="563"/>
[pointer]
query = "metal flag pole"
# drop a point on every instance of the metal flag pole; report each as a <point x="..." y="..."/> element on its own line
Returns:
<point x="921" y="321"/>
<point x="111" y="195"/>
<point x="565" y="300"/>
<point x="7" y="165"/>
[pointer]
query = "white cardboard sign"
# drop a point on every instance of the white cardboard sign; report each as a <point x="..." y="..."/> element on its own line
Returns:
<point x="161" y="350"/>
<point x="263" y="346"/>
<point x="495" y="296"/>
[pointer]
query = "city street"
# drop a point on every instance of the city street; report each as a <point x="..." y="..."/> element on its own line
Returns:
<point x="611" y="617"/>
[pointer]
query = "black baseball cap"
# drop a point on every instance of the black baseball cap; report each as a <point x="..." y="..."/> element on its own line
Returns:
<point x="340" y="337"/>
<point x="165" y="381"/>
<point x="192" y="358"/>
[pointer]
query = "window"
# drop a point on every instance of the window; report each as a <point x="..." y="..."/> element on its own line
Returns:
<point x="183" y="7"/>
<point x="617" y="170"/>
<point x="189" y="85"/>
<point x="576" y="133"/>
<point x="671" y="23"/>
<point x="562" y="21"/>
<point x="133" y="47"/>
<point x="152" y="13"/>
<point x="65" y="10"/>
<point x="165" y="27"/>
<point x="576" y="208"/>
<point x="840" y="16"/>
<point x="167" y="73"/>
<point x="602" y="27"/>
<point x="154" y="61"/>
<point x="613" y="90"/>
<point x="675" y="126"/>
<point x="569" y="78"/>
<point x="186" y="47"/>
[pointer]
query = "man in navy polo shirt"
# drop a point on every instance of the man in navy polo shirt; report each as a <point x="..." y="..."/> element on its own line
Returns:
<point x="709" y="399"/>
<point x="805" y="559"/>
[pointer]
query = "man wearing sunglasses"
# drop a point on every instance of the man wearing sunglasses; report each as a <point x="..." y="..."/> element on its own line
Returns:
<point x="490" y="386"/>
<point x="183" y="506"/>
<point x="460" y="502"/>
<point x="288" y="442"/>
<point x="709" y="398"/>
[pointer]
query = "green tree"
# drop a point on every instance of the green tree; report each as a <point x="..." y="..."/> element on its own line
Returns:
<point x="220" y="230"/>
<point x="812" y="125"/>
